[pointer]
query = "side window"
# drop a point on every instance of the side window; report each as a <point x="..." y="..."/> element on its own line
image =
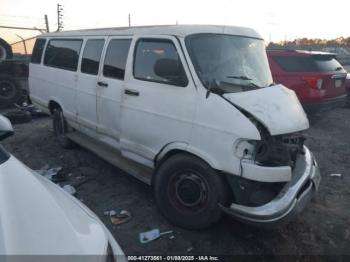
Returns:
<point x="38" y="51"/>
<point x="115" y="60"/>
<point x="63" y="53"/>
<point x="91" y="56"/>
<point x="157" y="60"/>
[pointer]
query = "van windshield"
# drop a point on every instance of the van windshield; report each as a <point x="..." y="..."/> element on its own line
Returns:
<point x="228" y="63"/>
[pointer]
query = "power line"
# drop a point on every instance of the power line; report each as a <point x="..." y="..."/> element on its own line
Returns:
<point x="19" y="16"/>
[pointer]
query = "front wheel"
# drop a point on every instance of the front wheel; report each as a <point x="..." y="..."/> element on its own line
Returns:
<point x="188" y="192"/>
<point x="60" y="128"/>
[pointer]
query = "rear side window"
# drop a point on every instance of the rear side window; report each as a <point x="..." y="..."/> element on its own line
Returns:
<point x="38" y="51"/>
<point x="115" y="60"/>
<point x="63" y="53"/>
<point x="91" y="56"/>
<point x="316" y="63"/>
<point x="157" y="60"/>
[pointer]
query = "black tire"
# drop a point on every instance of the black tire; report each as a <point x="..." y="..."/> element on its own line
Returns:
<point x="5" y="50"/>
<point x="188" y="192"/>
<point x="10" y="91"/>
<point x="60" y="128"/>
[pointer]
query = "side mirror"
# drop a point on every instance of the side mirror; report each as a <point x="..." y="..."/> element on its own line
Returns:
<point x="171" y="70"/>
<point x="6" y="128"/>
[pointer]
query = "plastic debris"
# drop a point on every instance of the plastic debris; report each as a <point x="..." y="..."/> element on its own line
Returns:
<point x="50" y="173"/>
<point x="123" y="217"/>
<point x="151" y="235"/>
<point x="335" y="175"/>
<point x="171" y="237"/>
<point x="189" y="249"/>
<point x="69" y="189"/>
<point x="110" y="213"/>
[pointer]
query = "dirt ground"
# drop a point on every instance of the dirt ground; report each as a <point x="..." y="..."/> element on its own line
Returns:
<point x="322" y="229"/>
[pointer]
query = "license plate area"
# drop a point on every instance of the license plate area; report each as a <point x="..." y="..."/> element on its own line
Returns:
<point x="338" y="83"/>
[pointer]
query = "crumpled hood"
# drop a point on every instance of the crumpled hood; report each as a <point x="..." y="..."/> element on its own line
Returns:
<point x="276" y="107"/>
<point x="37" y="217"/>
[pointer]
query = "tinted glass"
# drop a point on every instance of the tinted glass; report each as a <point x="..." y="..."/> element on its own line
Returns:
<point x="115" y="61"/>
<point x="158" y="61"/>
<point x="38" y="51"/>
<point x="63" y="53"/>
<point x="317" y="63"/>
<point x="91" y="56"/>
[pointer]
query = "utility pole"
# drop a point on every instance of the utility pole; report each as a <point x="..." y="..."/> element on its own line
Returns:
<point x="59" y="17"/>
<point x="129" y="17"/>
<point x="47" y="24"/>
<point x="24" y="43"/>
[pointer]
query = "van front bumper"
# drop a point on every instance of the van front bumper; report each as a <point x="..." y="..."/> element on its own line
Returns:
<point x="293" y="197"/>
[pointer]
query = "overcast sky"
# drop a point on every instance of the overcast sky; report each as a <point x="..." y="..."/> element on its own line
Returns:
<point x="275" y="19"/>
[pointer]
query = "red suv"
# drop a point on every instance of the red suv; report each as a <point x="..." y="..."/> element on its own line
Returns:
<point x="317" y="78"/>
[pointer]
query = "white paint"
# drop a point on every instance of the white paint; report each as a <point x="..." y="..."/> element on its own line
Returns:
<point x="39" y="218"/>
<point x="165" y="117"/>
<point x="277" y="107"/>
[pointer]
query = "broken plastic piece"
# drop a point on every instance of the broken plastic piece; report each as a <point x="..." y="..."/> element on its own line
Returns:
<point x="110" y="213"/>
<point x="335" y="175"/>
<point x="151" y="235"/>
<point x="69" y="189"/>
<point x="49" y="173"/>
<point x="121" y="218"/>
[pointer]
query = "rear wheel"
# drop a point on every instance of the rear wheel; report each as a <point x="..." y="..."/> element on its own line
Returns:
<point x="188" y="192"/>
<point x="60" y="127"/>
<point x="10" y="91"/>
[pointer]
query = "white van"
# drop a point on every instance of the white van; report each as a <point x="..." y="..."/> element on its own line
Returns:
<point x="190" y="110"/>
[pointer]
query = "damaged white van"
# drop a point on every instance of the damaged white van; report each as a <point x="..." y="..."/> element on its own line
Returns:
<point x="190" y="110"/>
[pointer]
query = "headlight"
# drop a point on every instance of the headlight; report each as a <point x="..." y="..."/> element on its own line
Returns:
<point x="243" y="148"/>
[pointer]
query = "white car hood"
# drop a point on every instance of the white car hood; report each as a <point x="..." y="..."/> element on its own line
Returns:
<point x="37" y="217"/>
<point x="276" y="107"/>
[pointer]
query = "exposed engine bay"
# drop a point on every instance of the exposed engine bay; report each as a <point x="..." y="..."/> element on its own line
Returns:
<point x="280" y="150"/>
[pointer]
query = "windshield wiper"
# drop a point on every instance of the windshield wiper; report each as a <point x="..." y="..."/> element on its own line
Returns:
<point x="245" y="78"/>
<point x="240" y="77"/>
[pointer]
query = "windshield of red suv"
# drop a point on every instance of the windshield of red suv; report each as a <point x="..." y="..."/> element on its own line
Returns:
<point x="314" y="63"/>
<point x="229" y="63"/>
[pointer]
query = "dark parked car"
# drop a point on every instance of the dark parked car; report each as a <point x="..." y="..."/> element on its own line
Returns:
<point x="13" y="77"/>
<point x="317" y="78"/>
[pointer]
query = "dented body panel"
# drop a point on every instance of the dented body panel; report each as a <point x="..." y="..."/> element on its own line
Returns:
<point x="277" y="107"/>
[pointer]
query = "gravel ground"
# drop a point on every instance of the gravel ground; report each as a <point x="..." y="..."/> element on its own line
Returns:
<point x="322" y="229"/>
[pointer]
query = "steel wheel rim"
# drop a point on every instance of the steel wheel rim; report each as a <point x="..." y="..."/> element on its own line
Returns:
<point x="188" y="190"/>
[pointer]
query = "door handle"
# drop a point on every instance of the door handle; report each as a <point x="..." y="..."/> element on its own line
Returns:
<point x="103" y="84"/>
<point x="131" y="92"/>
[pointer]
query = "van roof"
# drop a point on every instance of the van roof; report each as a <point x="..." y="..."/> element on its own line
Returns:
<point x="177" y="30"/>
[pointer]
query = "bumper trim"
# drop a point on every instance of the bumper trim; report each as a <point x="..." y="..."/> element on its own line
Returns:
<point x="291" y="200"/>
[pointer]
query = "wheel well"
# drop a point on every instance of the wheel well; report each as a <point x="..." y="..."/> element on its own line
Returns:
<point x="171" y="153"/>
<point x="53" y="105"/>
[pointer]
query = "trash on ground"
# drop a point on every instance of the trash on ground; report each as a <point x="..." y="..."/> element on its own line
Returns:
<point x="123" y="217"/>
<point x="171" y="237"/>
<point x="69" y="189"/>
<point x="189" y="249"/>
<point x="18" y="116"/>
<point x="151" y="235"/>
<point x="335" y="175"/>
<point x="51" y="173"/>
<point x="35" y="112"/>
<point x="110" y="213"/>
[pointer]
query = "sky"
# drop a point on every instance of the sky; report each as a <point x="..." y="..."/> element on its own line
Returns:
<point x="275" y="20"/>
